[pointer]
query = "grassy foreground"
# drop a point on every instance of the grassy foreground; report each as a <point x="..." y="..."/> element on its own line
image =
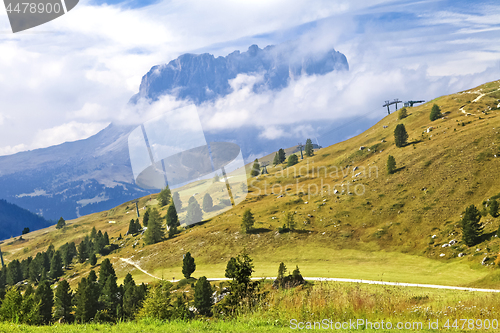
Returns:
<point x="338" y="302"/>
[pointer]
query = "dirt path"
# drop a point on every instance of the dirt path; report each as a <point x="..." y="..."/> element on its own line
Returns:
<point x="399" y="284"/>
<point x="130" y="262"/>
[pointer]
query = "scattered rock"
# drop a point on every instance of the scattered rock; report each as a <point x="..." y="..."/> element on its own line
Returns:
<point x="281" y="196"/>
<point x="362" y="147"/>
<point x="433" y="236"/>
<point x="442" y="255"/>
<point x="445" y="245"/>
<point x="385" y="126"/>
<point x="453" y="242"/>
<point x="461" y="254"/>
<point x="335" y="191"/>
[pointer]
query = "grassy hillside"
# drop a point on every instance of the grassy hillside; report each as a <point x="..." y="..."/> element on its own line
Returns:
<point x="377" y="226"/>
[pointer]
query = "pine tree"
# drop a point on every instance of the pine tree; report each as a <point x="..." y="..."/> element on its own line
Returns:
<point x="68" y="251"/>
<point x="208" y="203"/>
<point x="391" y="164"/>
<point x="242" y="288"/>
<point x="203" y="297"/>
<point x="247" y="221"/>
<point x="138" y="226"/>
<point x="110" y="296"/>
<point x="132" y="297"/>
<point x="180" y="310"/>
<point x="82" y="251"/>
<point x="188" y="265"/>
<point x="86" y="299"/>
<point x="25" y="231"/>
<point x="56" y="270"/>
<point x="29" y="312"/>
<point x="14" y="272"/>
<point x="403" y="113"/>
<point x="9" y="311"/>
<point x="471" y="226"/>
<point x="45" y="296"/>
<point x="93" y="259"/>
<point x="105" y="271"/>
<point x="172" y="221"/>
<point x="289" y="220"/>
<point x="281" y="155"/>
<point x="308" y="149"/>
<point x="281" y="275"/>
<point x="145" y="218"/>
<point x="93" y="233"/>
<point x="292" y="160"/>
<point x="276" y="160"/>
<point x="255" y="168"/>
<point x="176" y="199"/>
<point x="132" y="230"/>
<point x="155" y="232"/>
<point x="400" y="135"/>
<point x="164" y="197"/>
<point x="61" y="223"/>
<point x="194" y="212"/>
<point x="493" y="208"/>
<point x="63" y="302"/>
<point x="105" y="237"/>
<point x="435" y="112"/>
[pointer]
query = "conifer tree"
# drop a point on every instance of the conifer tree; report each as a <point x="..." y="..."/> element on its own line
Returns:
<point x="82" y="251"/>
<point x="308" y="149"/>
<point x="155" y="232"/>
<point x="292" y="160"/>
<point x="276" y="160"/>
<point x="61" y="223"/>
<point x="403" y="113"/>
<point x="132" y="230"/>
<point x="172" y="221"/>
<point x="45" y="296"/>
<point x="471" y="226"/>
<point x="247" y="221"/>
<point x="203" y="297"/>
<point x="63" y="306"/>
<point x="56" y="270"/>
<point x="164" y="197"/>
<point x="93" y="233"/>
<point x="208" y="203"/>
<point x="391" y="164"/>
<point x="132" y="297"/>
<point x="400" y="135"/>
<point x="188" y="265"/>
<point x="281" y="155"/>
<point x="145" y="217"/>
<point x="93" y="259"/>
<point x="493" y="208"/>
<point x="176" y="199"/>
<point x="9" y="311"/>
<point x="105" y="271"/>
<point x="194" y="213"/>
<point x="29" y="312"/>
<point x="14" y="272"/>
<point x="138" y="226"/>
<point x="435" y="112"/>
<point x="255" y="168"/>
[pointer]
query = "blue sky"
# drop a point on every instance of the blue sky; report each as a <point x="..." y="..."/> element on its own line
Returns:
<point x="69" y="78"/>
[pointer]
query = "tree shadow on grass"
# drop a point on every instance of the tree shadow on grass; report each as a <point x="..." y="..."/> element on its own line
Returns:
<point x="487" y="236"/>
<point x="259" y="231"/>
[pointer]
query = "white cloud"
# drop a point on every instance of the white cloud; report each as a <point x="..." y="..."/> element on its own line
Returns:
<point x="71" y="131"/>
<point x="83" y="67"/>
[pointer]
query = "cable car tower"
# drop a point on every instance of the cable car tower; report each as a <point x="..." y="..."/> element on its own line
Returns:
<point x="264" y="168"/>
<point x="300" y="147"/>
<point x="387" y="103"/>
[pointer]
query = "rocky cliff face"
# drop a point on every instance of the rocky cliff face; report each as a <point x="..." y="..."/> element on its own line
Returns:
<point x="203" y="77"/>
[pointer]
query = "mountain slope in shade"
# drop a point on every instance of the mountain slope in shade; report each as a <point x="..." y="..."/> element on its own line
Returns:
<point x="14" y="219"/>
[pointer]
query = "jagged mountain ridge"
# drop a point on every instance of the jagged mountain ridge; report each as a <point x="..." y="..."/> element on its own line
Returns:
<point x="204" y="77"/>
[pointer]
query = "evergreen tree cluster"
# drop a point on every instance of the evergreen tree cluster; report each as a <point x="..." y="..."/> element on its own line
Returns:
<point x="46" y="265"/>
<point x="292" y="280"/>
<point x="93" y="244"/>
<point x="134" y="227"/>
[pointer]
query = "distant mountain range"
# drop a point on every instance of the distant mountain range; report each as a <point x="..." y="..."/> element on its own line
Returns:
<point x="94" y="174"/>
<point x="14" y="219"/>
